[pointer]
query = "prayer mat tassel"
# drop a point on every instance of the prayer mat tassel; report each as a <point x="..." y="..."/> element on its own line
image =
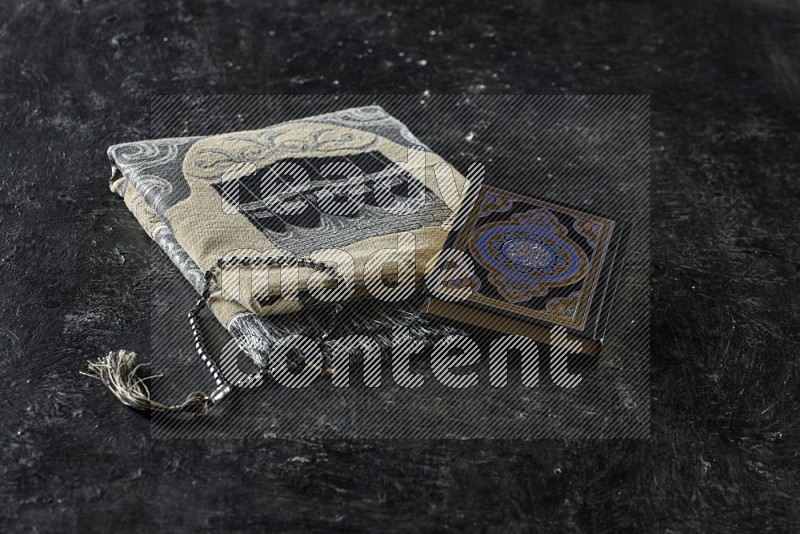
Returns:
<point x="120" y="374"/>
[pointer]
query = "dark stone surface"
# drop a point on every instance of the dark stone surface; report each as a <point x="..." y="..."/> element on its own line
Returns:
<point x="75" y="76"/>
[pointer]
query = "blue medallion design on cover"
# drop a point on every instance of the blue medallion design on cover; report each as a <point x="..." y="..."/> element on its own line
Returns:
<point x="533" y="257"/>
<point x="528" y="255"/>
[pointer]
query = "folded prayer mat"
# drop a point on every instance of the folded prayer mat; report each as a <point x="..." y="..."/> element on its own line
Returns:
<point x="295" y="216"/>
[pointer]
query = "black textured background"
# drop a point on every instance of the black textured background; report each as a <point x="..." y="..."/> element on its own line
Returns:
<point x="75" y="76"/>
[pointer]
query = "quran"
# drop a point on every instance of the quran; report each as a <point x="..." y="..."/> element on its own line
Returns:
<point x="536" y="265"/>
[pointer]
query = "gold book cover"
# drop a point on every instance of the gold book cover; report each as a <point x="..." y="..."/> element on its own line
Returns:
<point x="537" y="267"/>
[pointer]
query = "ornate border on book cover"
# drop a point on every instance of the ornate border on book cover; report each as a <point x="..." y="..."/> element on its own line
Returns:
<point x="529" y="253"/>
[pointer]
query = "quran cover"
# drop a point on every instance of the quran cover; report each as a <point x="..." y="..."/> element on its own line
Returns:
<point x="536" y="265"/>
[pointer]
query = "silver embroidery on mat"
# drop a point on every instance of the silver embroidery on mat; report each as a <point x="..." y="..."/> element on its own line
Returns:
<point x="154" y="168"/>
